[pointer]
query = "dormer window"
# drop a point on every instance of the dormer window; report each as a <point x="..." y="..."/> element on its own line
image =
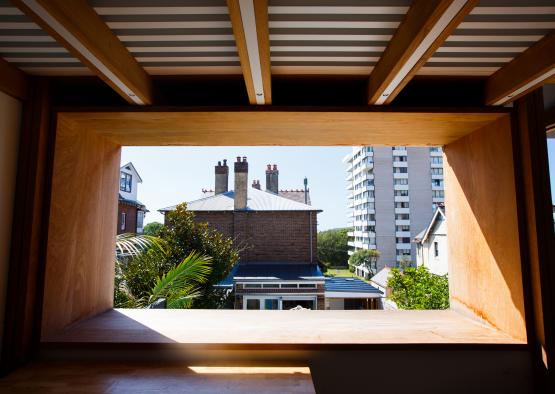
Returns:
<point x="125" y="182"/>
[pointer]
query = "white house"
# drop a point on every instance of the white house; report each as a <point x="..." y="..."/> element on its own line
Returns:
<point x="380" y="282"/>
<point x="431" y="244"/>
<point x="131" y="211"/>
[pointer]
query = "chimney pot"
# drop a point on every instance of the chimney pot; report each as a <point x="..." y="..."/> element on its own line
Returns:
<point x="238" y="159"/>
<point x="222" y="175"/>
<point x="244" y="159"/>
<point x="269" y="167"/>
<point x="275" y="167"/>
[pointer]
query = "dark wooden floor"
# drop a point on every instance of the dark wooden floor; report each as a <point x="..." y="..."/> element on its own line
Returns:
<point x="98" y="377"/>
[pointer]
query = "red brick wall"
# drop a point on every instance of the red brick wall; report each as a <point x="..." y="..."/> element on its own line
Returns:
<point x="267" y="235"/>
<point x="130" y="220"/>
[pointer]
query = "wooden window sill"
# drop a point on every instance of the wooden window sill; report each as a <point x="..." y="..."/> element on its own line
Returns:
<point x="280" y="327"/>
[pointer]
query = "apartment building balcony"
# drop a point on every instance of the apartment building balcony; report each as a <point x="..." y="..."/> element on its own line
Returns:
<point x="436" y="153"/>
<point x="403" y="246"/>
<point x="350" y="186"/>
<point x="350" y="196"/>
<point x="436" y="165"/>
<point x="435" y="187"/>
<point x="438" y="199"/>
<point x="351" y="243"/>
<point x="399" y="152"/>
<point x="401" y="198"/>
<point x="400" y="187"/>
<point x="402" y="234"/>
<point x="400" y="222"/>
<point x="400" y="164"/>
<point x="437" y="176"/>
<point x="399" y="175"/>
<point x="349" y="177"/>
<point x="350" y="233"/>
<point x="402" y="210"/>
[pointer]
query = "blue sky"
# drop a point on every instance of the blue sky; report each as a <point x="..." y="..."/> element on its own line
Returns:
<point x="175" y="174"/>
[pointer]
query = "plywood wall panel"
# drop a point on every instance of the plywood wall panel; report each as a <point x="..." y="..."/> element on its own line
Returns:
<point x="484" y="255"/>
<point x="80" y="255"/>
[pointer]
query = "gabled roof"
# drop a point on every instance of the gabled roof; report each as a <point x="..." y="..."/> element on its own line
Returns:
<point x="381" y="277"/>
<point x="130" y="167"/>
<point x="423" y="235"/>
<point x="257" y="200"/>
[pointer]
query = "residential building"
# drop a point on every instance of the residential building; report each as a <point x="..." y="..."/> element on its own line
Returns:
<point x="276" y="237"/>
<point x="380" y="282"/>
<point x="131" y="211"/>
<point x="431" y="244"/>
<point x="393" y="194"/>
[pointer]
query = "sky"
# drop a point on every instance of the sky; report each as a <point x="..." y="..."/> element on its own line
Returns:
<point x="176" y="174"/>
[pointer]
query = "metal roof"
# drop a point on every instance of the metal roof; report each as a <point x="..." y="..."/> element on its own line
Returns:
<point x="273" y="272"/>
<point x="257" y="200"/>
<point x="349" y="285"/>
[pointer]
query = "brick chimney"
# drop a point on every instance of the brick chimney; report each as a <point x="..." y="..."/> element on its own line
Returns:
<point x="241" y="183"/>
<point x="256" y="184"/>
<point x="272" y="174"/>
<point x="222" y="175"/>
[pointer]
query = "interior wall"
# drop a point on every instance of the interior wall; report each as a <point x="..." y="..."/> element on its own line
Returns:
<point x="10" y="122"/>
<point x="79" y="274"/>
<point x="484" y="256"/>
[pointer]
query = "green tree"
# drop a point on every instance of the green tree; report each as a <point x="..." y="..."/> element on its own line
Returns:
<point x="367" y="258"/>
<point x="182" y="236"/>
<point x="418" y="288"/>
<point x="332" y="247"/>
<point x="153" y="228"/>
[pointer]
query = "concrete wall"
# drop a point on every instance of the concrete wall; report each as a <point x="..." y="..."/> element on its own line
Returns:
<point x="420" y="192"/>
<point x="10" y="117"/>
<point x="385" y="211"/>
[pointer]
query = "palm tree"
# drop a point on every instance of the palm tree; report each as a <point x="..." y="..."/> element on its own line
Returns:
<point x="177" y="287"/>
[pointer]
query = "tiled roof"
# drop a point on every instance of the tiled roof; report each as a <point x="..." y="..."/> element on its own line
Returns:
<point x="257" y="200"/>
<point x="349" y="285"/>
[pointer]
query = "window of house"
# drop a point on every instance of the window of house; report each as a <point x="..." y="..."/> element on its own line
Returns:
<point x="403" y="240"/>
<point x="400" y="158"/>
<point x="270" y="285"/>
<point x="400" y="170"/>
<point x="253" y="303"/>
<point x="436" y="249"/>
<point x="125" y="182"/>
<point x="403" y="181"/>
<point x="401" y="193"/>
<point x="307" y="285"/>
<point x="402" y="228"/>
<point x="402" y="216"/>
<point x="140" y="219"/>
<point x="252" y="286"/>
<point x="401" y="205"/>
<point x="289" y="285"/>
<point x="123" y="224"/>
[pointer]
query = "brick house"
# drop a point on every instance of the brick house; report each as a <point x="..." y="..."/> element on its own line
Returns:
<point x="131" y="211"/>
<point x="276" y="237"/>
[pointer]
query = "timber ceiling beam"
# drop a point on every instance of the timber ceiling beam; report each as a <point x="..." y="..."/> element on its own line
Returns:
<point x="13" y="81"/>
<point x="76" y="25"/>
<point x="249" y="19"/>
<point x="426" y="26"/>
<point x="526" y="72"/>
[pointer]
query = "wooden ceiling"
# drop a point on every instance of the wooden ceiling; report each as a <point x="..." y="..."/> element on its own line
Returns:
<point x="126" y="42"/>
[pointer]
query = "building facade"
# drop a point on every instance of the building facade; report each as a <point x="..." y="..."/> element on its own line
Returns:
<point x="131" y="211"/>
<point x="276" y="238"/>
<point x="393" y="192"/>
<point x="431" y="244"/>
